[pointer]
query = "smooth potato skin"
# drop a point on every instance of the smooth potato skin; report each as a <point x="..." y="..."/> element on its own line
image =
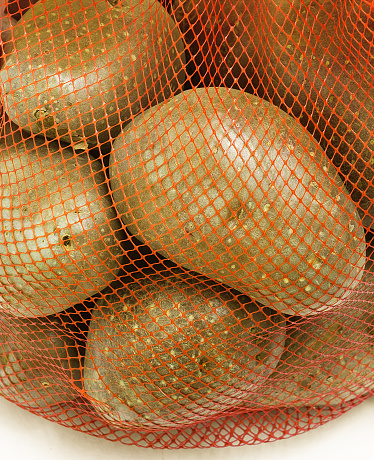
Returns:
<point x="40" y="363"/>
<point x="311" y="58"/>
<point x="59" y="235"/>
<point x="81" y="68"/>
<point x="225" y="184"/>
<point x="166" y="351"/>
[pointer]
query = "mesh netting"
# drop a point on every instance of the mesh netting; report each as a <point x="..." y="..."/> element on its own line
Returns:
<point x="186" y="216"/>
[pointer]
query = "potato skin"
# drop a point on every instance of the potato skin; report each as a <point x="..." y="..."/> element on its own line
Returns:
<point x="225" y="184"/>
<point x="330" y="383"/>
<point x="327" y="360"/>
<point x="327" y="363"/>
<point x="59" y="234"/>
<point x="80" y="79"/>
<point x="311" y="58"/>
<point x="40" y="362"/>
<point x="317" y="65"/>
<point x="166" y="351"/>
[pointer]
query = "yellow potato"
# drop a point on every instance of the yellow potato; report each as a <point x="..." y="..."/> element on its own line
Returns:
<point x="223" y="183"/>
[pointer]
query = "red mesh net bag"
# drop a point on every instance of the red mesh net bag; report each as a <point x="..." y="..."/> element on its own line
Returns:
<point x="186" y="216"/>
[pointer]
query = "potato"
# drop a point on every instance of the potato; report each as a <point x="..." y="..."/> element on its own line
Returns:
<point x="225" y="184"/>
<point x="58" y="229"/>
<point x="318" y="66"/>
<point x="222" y="39"/>
<point x="346" y="378"/>
<point x="327" y="361"/>
<point x="165" y="351"/>
<point x="81" y="67"/>
<point x="40" y="363"/>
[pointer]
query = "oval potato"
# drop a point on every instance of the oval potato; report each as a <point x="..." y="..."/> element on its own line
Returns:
<point x="58" y="229"/>
<point x="166" y="351"/>
<point x="225" y="184"/>
<point x="80" y="67"/>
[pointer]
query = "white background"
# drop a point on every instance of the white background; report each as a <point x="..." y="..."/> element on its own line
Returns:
<point x="29" y="437"/>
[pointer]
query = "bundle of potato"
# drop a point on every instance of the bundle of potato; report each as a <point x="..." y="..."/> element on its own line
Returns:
<point x="166" y="350"/>
<point x="222" y="39"/>
<point x="224" y="183"/>
<point x="58" y="230"/>
<point x="80" y="67"/>
<point x="314" y="65"/>
<point x="40" y="363"/>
